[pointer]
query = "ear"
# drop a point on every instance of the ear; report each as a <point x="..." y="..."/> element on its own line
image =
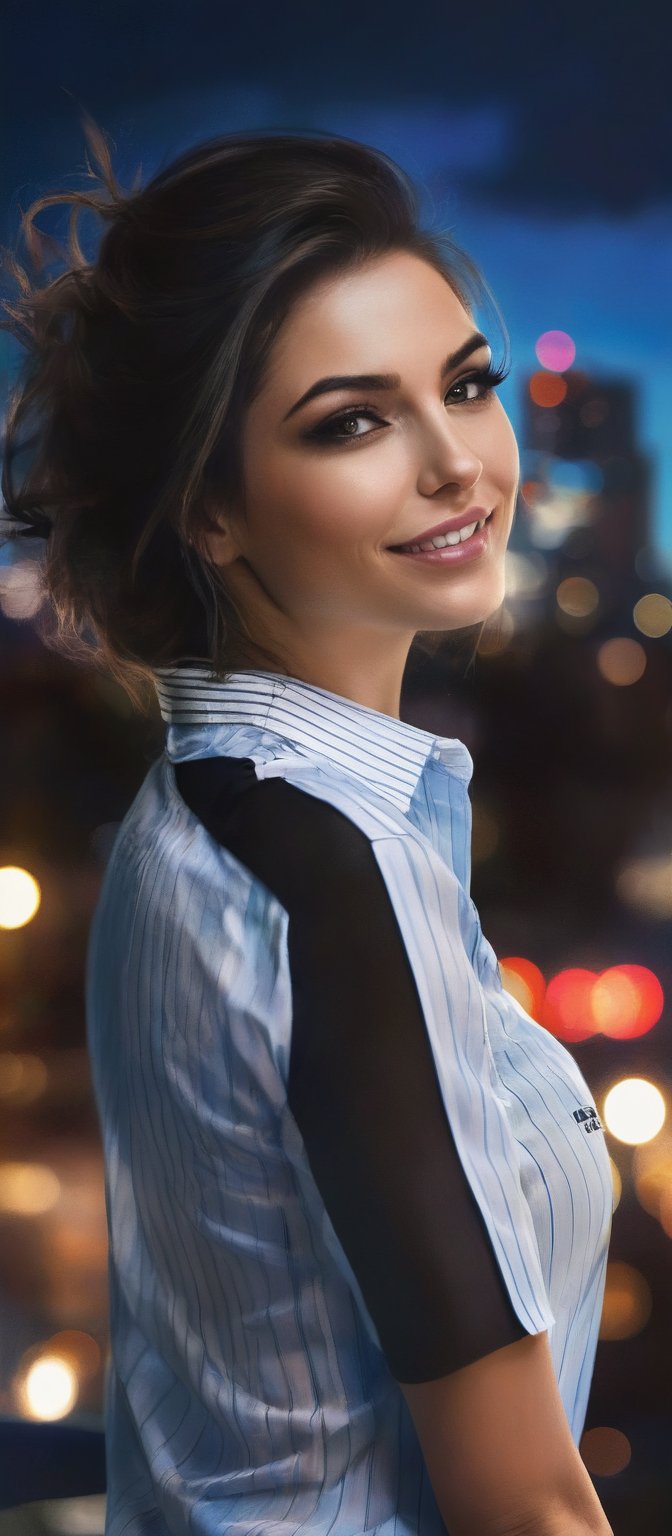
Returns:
<point x="218" y="540"/>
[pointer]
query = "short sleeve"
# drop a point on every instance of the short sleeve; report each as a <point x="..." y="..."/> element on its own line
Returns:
<point x="362" y="1081"/>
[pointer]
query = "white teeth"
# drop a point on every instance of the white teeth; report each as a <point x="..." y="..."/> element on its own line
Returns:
<point x="441" y="539"/>
<point x="456" y="537"/>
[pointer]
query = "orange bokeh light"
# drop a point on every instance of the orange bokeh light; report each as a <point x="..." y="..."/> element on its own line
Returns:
<point x="547" y="388"/>
<point x="627" y="1001"/>
<point x="525" y="981"/>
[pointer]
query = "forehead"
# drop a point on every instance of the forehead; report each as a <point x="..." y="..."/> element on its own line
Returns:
<point x="365" y="320"/>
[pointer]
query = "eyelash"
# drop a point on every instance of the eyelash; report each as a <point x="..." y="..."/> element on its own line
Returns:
<point x="487" y="378"/>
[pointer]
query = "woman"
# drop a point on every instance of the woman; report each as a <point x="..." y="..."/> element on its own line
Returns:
<point x="358" y="1232"/>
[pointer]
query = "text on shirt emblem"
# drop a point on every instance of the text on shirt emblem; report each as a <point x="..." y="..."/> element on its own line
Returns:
<point x="588" y="1117"/>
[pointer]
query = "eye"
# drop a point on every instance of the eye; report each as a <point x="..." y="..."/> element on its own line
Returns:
<point x="484" y="380"/>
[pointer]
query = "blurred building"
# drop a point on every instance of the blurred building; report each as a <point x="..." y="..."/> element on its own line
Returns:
<point x="586" y="483"/>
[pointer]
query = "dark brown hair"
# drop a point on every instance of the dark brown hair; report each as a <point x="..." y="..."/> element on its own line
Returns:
<point x="142" y="361"/>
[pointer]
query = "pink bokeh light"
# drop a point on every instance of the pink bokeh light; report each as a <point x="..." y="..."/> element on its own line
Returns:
<point x="555" y="350"/>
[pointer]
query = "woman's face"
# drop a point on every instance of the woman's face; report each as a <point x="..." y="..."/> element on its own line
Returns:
<point x="309" y="560"/>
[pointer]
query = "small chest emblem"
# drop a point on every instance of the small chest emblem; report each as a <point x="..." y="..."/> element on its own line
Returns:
<point x="588" y="1117"/>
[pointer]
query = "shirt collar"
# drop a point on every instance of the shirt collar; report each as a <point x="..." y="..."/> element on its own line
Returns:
<point x="388" y="754"/>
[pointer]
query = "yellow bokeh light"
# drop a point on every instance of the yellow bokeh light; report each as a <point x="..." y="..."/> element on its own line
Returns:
<point x="653" y="614"/>
<point x="20" y="896"/>
<point x="614" y="1000"/>
<point x="627" y="1302"/>
<point x="28" y="1189"/>
<point x="634" y="1110"/>
<point x="577" y="596"/>
<point x="49" y="1389"/>
<point x="665" y="1210"/>
<point x="617" y="1183"/>
<point x="517" y="986"/>
<point x="652" y="1172"/>
<point x="621" y="661"/>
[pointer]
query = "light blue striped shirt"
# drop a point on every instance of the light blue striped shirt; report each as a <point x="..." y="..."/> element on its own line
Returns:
<point x="247" y="1390"/>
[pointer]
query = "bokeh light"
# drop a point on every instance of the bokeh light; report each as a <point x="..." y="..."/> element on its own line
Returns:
<point x="20" y="896"/>
<point x="577" y="596"/>
<point x="555" y="350"/>
<point x="665" y="1210"/>
<point x="617" y="1183"/>
<point x="652" y="1173"/>
<point x="526" y="574"/>
<point x="49" y="1389"/>
<point x="634" y="1110"/>
<point x="646" y="885"/>
<point x="567" y="1009"/>
<point x="627" y="1302"/>
<point x="525" y="982"/>
<point x="28" y="1189"/>
<point x="553" y="519"/>
<point x="547" y="389"/>
<point x="621" y="661"/>
<point x="626" y="1001"/>
<point x="605" y="1451"/>
<point x="653" y="614"/>
<point x="622" y="1002"/>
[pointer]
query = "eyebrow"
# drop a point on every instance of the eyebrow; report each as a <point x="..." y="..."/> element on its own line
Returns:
<point x="384" y="380"/>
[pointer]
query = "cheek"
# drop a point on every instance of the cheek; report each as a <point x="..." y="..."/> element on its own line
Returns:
<point x="326" y="502"/>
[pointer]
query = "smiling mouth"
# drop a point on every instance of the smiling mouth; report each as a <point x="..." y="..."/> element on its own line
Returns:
<point x="443" y="540"/>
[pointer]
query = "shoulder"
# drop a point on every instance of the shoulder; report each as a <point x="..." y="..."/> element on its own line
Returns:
<point x="303" y="846"/>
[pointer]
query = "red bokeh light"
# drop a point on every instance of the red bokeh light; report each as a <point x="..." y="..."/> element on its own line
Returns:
<point x="622" y="1002"/>
<point x="567" y="1009"/>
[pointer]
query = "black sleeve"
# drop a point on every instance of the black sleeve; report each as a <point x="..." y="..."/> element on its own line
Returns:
<point x="362" y="1081"/>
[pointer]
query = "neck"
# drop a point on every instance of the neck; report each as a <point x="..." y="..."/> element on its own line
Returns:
<point x="356" y="669"/>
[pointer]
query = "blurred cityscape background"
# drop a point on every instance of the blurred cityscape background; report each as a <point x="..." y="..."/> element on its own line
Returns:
<point x="543" y="143"/>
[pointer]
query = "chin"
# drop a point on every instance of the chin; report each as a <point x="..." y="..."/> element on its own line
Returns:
<point x="475" y="610"/>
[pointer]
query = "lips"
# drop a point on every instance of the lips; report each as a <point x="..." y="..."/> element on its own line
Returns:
<point x="450" y="525"/>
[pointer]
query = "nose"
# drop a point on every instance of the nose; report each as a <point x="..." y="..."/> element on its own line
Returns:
<point x="447" y="459"/>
